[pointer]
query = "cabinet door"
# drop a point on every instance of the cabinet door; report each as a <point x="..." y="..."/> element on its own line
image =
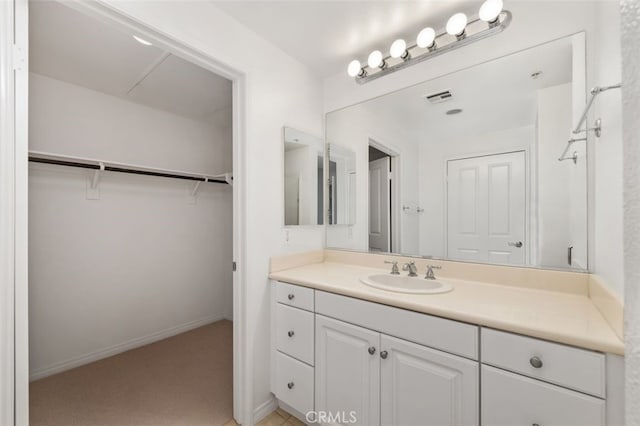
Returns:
<point x="424" y="386"/>
<point x="509" y="399"/>
<point x="347" y="373"/>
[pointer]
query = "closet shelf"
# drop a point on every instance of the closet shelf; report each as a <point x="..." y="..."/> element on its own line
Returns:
<point x="110" y="166"/>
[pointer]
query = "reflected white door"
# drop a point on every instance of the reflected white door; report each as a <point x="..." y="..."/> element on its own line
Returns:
<point x="379" y="203"/>
<point x="486" y="208"/>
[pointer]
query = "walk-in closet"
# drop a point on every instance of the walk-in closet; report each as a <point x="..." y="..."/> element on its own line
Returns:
<point x="130" y="228"/>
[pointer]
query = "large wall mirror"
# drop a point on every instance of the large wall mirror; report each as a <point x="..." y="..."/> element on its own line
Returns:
<point x="466" y="166"/>
<point x="303" y="178"/>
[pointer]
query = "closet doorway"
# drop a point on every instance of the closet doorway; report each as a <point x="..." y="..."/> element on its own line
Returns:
<point x="132" y="229"/>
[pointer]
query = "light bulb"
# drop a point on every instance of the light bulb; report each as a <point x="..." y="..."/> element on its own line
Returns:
<point x="354" y="68"/>
<point x="490" y="10"/>
<point x="456" y="24"/>
<point x="375" y="59"/>
<point x="426" y="38"/>
<point x="398" y="48"/>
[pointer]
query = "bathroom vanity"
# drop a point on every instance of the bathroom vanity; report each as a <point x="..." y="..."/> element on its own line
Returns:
<point x="483" y="353"/>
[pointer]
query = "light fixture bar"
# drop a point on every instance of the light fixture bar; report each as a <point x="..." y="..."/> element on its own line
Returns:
<point x="502" y="23"/>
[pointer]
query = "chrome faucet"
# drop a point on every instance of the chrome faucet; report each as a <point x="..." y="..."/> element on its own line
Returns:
<point x="394" y="268"/>
<point x="430" y="275"/>
<point x="411" y="267"/>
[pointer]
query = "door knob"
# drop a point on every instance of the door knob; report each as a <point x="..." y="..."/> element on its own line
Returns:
<point x="290" y="385"/>
<point x="384" y="354"/>
<point x="515" y="244"/>
<point x="290" y="333"/>
<point x="372" y="350"/>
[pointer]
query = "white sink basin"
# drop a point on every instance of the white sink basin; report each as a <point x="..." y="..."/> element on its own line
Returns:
<point x="405" y="284"/>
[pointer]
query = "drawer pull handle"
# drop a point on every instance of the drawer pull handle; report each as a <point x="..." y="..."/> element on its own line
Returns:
<point x="384" y="354"/>
<point x="372" y="350"/>
<point x="290" y="333"/>
<point x="291" y="296"/>
<point x="290" y="385"/>
<point x="535" y="363"/>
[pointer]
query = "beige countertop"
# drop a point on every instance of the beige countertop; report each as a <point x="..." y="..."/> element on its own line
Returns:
<point x="556" y="316"/>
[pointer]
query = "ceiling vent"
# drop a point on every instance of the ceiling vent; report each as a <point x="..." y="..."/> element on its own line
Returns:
<point x="438" y="98"/>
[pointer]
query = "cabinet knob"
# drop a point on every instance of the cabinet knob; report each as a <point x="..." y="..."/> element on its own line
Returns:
<point x="372" y="350"/>
<point x="291" y="296"/>
<point x="535" y="362"/>
<point x="535" y="424"/>
<point x="290" y="385"/>
<point x="384" y="354"/>
<point x="290" y="333"/>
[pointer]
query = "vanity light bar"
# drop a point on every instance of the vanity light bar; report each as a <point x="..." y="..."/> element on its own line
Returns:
<point x="379" y="65"/>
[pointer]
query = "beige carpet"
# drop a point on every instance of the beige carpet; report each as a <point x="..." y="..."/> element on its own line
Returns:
<point x="183" y="380"/>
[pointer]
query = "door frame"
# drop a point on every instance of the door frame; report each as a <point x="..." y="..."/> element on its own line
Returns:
<point x="14" y="391"/>
<point x="530" y="215"/>
<point x="396" y="199"/>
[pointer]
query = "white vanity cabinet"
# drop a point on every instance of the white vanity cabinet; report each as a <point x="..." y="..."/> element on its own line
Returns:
<point x="374" y="364"/>
<point x="527" y="381"/>
<point x="367" y="363"/>
<point x="347" y="370"/>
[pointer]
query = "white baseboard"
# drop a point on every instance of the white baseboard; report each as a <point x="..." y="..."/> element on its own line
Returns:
<point x="264" y="409"/>
<point x="74" y="362"/>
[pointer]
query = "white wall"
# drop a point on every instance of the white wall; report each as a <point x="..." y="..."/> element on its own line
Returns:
<point x="631" y="124"/>
<point x="280" y="91"/>
<point x="525" y="31"/>
<point x="607" y="150"/>
<point x="139" y="263"/>
<point x="554" y="190"/>
<point x="352" y="129"/>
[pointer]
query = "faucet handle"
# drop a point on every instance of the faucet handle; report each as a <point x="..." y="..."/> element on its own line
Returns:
<point x="394" y="268"/>
<point x="430" y="275"/>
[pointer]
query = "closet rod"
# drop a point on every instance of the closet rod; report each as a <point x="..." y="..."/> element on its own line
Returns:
<point x="85" y="164"/>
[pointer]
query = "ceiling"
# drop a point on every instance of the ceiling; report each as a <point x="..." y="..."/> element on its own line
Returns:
<point x="69" y="46"/>
<point x="327" y="35"/>
<point x="496" y="95"/>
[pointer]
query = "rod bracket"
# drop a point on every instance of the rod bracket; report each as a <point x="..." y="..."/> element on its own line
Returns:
<point x="93" y="190"/>
<point x="193" y="196"/>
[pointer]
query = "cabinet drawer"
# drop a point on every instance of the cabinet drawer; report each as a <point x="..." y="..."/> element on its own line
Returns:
<point x="294" y="383"/>
<point x="294" y="295"/>
<point x="567" y="366"/>
<point x="439" y="333"/>
<point x="295" y="332"/>
<point x="509" y="399"/>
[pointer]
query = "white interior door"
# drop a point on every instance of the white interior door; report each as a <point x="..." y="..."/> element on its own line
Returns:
<point x="486" y="208"/>
<point x="347" y="372"/>
<point x="379" y="203"/>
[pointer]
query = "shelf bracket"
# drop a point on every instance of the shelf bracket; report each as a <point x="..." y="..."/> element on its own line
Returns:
<point x="193" y="196"/>
<point x="93" y="191"/>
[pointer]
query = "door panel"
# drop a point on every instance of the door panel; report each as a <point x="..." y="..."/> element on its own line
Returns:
<point x="379" y="193"/>
<point x="423" y="386"/>
<point x="486" y="208"/>
<point x="347" y="375"/>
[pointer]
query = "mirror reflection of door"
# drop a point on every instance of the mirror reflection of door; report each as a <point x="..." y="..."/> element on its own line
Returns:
<point x="379" y="201"/>
<point x="292" y="200"/>
<point x="486" y="213"/>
